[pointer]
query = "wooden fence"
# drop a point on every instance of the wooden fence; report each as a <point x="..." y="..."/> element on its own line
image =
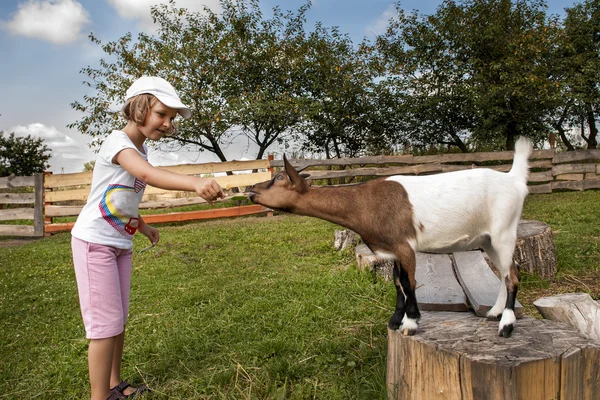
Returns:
<point x="550" y="170"/>
<point x="64" y="195"/>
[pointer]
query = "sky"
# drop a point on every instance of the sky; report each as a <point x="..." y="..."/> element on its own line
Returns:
<point x="44" y="45"/>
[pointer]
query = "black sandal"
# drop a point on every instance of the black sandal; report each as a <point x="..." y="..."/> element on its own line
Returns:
<point x="124" y="385"/>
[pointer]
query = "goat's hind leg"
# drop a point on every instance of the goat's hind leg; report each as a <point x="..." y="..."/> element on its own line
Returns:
<point x="505" y="303"/>
<point x="396" y="319"/>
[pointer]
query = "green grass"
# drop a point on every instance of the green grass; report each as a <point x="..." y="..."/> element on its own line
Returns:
<point x="247" y="308"/>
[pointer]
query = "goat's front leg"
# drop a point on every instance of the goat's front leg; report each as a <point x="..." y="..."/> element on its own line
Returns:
<point x="407" y="265"/>
<point x="396" y="319"/>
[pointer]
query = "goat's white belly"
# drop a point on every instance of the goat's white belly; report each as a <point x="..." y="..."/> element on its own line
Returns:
<point x="444" y="244"/>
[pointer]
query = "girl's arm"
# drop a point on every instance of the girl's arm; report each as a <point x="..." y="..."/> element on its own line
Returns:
<point x="150" y="232"/>
<point x="133" y="163"/>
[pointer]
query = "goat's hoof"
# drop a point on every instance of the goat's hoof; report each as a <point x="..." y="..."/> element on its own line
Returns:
<point x="409" y="326"/>
<point x="394" y="325"/>
<point x="395" y="322"/>
<point x="506" y="331"/>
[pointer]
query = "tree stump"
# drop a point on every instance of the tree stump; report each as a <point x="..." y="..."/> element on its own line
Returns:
<point x="535" y="251"/>
<point x="344" y="239"/>
<point x="576" y="309"/>
<point x="458" y="356"/>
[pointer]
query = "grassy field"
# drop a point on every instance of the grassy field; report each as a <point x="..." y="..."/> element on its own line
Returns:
<point x="248" y="308"/>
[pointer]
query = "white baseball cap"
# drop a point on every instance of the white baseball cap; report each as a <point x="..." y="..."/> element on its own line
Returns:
<point x="162" y="90"/>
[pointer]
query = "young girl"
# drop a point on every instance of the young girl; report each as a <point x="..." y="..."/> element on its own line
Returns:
<point x="102" y="235"/>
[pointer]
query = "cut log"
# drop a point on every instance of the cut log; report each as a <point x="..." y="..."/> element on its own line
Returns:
<point x="576" y="309"/>
<point x="366" y="260"/>
<point x="480" y="284"/>
<point x="535" y="251"/>
<point x="437" y="287"/>
<point x="458" y="356"/>
<point x="345" y="239"/>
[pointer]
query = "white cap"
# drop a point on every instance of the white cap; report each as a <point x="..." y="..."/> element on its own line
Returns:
<point x="162" y="90"/>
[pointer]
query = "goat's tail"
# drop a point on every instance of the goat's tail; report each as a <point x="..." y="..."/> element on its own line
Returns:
<point x="520" y="167"/>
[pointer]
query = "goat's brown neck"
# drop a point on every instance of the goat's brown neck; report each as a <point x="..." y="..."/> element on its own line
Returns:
<point x="339" y="205"/>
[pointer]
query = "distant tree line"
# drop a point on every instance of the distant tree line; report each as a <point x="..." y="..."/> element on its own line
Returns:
<point x="472" y="76"/>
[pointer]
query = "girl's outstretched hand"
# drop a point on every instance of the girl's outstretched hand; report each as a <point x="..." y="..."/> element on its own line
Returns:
<point x="209" y="190"/>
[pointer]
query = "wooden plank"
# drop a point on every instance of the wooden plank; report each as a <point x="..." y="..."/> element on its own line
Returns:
<point x="388" y="171"/>
<point x="85" y="178"/>
<point x="570" y="177"/>
<point x="63" y="180"/>
<point x="16" y="213"/>
<point x="577" y="155"/>
<point x="573" y="169"/>
<point x="478" y="281"/>
<point x="296" y="163"/>
<point x="66" y="211"/>
<point x="437" y="288"/>
<point x="181" y="216"/>
<point x="216" y="167"/>
<point x="537" y="189"/>
<point x="17" y="198"/>
<point x="575" y="185"/>
<point x="226" y="182"/>
<point x="17" y="230"/>
<point x="12" y="181"/>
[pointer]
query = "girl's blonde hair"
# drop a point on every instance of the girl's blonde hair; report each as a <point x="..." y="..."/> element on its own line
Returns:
<point x="137" y="108"/>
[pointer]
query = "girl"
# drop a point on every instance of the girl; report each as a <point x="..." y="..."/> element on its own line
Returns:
<point x="102" y="236"/>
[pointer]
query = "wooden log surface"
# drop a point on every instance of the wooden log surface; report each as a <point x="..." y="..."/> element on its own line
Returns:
<point x="458" y="356"/>
<point x="535" y="251"/>
<point x="578" y="310"/>
<point x="479" y="282"/>
<point x="437" y="287"/>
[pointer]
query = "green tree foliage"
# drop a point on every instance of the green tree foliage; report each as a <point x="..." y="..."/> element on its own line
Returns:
<point x="339" y="83"/>
<point x="234" y="70"/>
<point x="22" y="156"/>
<point x="89" y="166"/>
<point x="476" y="69"/>
<point x="577" y="73"/>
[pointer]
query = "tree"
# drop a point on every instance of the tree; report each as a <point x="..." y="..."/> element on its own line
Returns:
<point x="22" y="156"/>
<point x="89" y="166"/>
<point x="577" y="73"/>
<point x="474" y="70"/>
<point x="338" y="81"/>
<point x="431" y="77"/>
<point x="232" y="70"/>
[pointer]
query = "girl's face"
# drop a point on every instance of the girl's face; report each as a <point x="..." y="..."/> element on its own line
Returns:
<point x="159" y="121"/>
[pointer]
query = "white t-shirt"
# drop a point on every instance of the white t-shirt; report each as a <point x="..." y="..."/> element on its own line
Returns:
<point x="110" y="216"/>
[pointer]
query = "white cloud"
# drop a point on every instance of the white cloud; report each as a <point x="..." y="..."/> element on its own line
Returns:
<point x="67" y="155"/>
<point x="380" y="25"/>
<point x="57" y="21"/>
<point x="140" y="9"/>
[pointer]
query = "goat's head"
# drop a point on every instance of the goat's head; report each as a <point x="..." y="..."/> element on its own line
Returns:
<point x="283" y="191"/>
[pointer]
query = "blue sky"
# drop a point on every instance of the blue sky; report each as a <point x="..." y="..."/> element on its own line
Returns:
<point x="44" y="45"/>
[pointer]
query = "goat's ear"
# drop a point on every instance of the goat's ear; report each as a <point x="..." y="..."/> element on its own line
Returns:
<point x="296" y="179"/>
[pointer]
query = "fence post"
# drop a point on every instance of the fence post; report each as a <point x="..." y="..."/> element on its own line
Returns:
<point x="270" y="157"/>
<point x="38" y="213"/>
<point x="48" y="220"/>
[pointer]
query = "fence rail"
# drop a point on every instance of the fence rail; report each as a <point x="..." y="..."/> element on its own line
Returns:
<point x="64" y="195"/>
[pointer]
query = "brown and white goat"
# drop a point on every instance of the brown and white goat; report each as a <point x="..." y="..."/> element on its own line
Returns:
<point x="399" y="215"/>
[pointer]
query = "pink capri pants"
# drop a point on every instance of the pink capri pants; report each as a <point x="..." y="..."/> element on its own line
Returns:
<point x="103" y="280"/>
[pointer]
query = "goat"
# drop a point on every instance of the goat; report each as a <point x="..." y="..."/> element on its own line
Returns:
<point x="399" y="215"/>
